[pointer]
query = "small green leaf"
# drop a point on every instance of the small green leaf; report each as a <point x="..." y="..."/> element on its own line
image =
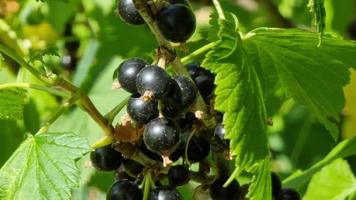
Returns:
<point x="343" y="149"/>
<point x="239" y="96"/>
<point x="334" y="182"/>
<point x="313" y="76"/>
<point x="12" y="103"/>
<point x="43" y="167"/>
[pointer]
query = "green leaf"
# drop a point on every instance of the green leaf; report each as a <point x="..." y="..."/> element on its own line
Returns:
<point x="343" y="149"/>
<point x="43" y="167"/>
<point x="12" y="103"/>
<point x="318" y="9"/>
<point x="313" y="76"/>
<point x="334" y="182"/>
<point x="239" y="96"/>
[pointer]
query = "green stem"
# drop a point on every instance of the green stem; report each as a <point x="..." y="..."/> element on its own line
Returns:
<point x="9" y="52"/>
<point x="106" y="140"/>
<point x="198" y="52"/>
<point x="147" y="186"/>
<point x="58" y="113"/>
<point x="33" y="86"/>
<point x="110" y="116"/>
<point x="219" y="9"/>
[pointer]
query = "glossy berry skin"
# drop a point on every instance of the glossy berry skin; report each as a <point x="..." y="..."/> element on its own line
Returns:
<point x="205" y="85"/>
<point x="155" y="80"/>
<point x="178" y="175"/>
<point x="176" y="22"/>
<point x="161" y="135"/>
<point x="149" y="153"/>
<point x="231" y="192"/>
<point x="127" y="73"/>
<point x="288" y="194"/>
<point x="186" y="91"/>
<point x="196" y="70"/>
<point x="124" y="190"/>
<point x="276" y="184"/>
<point x="164" y="193"/>
<point x="106" y="158"/>
<point x="129" y="13"/>
<point x="219" y="136"/>
<point x="198" y="149"/>
<point x="142" y="111"/>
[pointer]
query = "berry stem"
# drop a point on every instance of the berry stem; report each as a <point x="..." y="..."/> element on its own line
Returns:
<point x="219" y="9"/>
<point x="110" y="116"/>
<point x="52" y="118"/>
<point x="198" y="52"/>
<point x="52" y="80"/>
<point x="36" y="87"/>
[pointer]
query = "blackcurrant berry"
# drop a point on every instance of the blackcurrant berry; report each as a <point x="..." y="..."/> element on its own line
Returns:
<point x="124" y="190"/>
<point x="205" y="85"/>
<point x="352" y="30"/>
<point x="132" y="167"/>
<point x="142" y="110"/>
<point x="128" y="71"/>
<point x="164" y="193"/>
<point x="155" y="80"/>
<point x="161" y="135"/>
<point x="276" y="184"/>
<point x="187" y="121"/>
<point x="219" y="136"/>
<point x="69" y="61"/>
<point x="149" y="153"/>
<point x="288" y="194"/>
<point x="178" y="175"/>
<point x="176" y="22"/>
<point x="170" y="109"/>
<point x="72" y="46"/>
<point x="129" y="13"/>
<point x="177" y="153"/>
<point x="106" y="158"/>
<point x="196" y="70"/>
<point x="231" y="192"/>
<point x="198" y="149"/>
<point x="186" y="90"/>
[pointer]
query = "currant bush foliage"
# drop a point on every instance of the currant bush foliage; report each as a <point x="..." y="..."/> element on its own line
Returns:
<point x="43" y="167"/>
<point x="264" y="60"/>
<point x="11" y="103"/>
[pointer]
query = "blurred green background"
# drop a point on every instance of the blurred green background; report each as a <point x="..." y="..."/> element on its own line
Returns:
<point x="30" y="27"/>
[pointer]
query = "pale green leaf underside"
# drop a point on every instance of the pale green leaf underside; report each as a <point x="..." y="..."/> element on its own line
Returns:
<point x="239" y="96"/>
<point x="343" y="149"/>
<point x="43" y="167"/>
<point x="11" y="103"/>
<point x="312" y="75"/>
<point x="334" y="182"/>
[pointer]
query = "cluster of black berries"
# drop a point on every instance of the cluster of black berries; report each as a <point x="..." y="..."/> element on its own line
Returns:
<point x="175" y="19"/>
<point x="282" y="194"/>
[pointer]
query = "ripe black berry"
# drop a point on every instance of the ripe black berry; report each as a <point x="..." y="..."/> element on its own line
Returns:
<point x="128" y="71"/>
<point x="161" y="135"/>
<point x="276" y="184"/>
<point x="178" y="175"/>
<point x="205" y="85"/>
<point x="198" y="149"/>
<point x="288" y="194"/>
<point x="186" y="90"/>
<point x="124" y="190"/>
<point x="69" y="61"/>
<point x="155" y="80"/>
<point x="129" y="13"/>
<point x="352" y="30"/>
<point x="149" y="153"/>
<point x="165" y="193"/>
<point x="176" y="22"/>
<point x="196" y="70"/>
<point x="141" y="110"/>
<point x="218" y="192"/>
<point x="219" y="136"/>
<point x="106" y="158"/>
